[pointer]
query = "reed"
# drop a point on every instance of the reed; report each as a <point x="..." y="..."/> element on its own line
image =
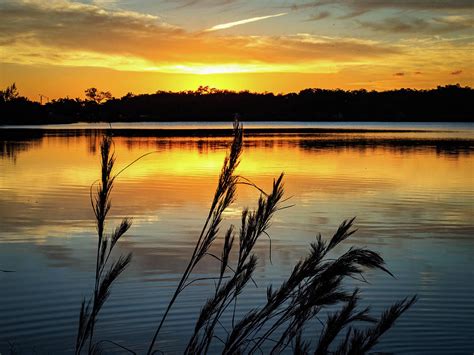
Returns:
<point x="105" y="272"/>
<point x="223" y="197"/>
<point x="317" y="283"/>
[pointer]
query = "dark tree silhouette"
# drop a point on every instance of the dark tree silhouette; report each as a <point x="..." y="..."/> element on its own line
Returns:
<point x="445" y="103"/>
<point x="92" y="94"/>
<point x="10" y="93"/>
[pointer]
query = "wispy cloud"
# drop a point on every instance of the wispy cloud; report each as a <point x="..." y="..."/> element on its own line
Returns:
<point x="104" y="3"/>
<point x="182" y="4"/>
<point x="224" y="26"/>
<point x="437" y="25"/>
<point x="359" y="7"/>
<point x="319" y="16"/>
<point x="73" y="34"/>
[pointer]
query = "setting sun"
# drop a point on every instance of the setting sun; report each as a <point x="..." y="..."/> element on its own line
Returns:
<point x="207" y="177"/>
<point x="346" y="45"/>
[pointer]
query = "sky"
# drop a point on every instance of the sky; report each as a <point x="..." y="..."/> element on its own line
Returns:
<point x="58" y="48"/>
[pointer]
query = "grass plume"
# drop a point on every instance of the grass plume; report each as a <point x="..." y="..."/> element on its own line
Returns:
<point x="223" y="197"/>
<point x="105" y="272"/>
<point x="316" y="284"/>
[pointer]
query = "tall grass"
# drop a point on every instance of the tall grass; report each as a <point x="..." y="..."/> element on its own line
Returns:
<point x="105" y="272"/>
<point x="223" y="198"/>
<point x="316" y="285"/>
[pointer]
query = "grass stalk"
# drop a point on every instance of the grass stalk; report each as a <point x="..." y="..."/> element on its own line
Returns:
<point x="223" y="197"/>
<point x="104" y="279"/>
<point x="316" y="283"/>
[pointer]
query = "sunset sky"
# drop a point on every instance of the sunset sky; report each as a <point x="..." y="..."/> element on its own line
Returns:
<point x="59" y="48"/>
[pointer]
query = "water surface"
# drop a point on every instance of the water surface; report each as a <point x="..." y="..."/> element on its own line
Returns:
<point x="411" y="187"/>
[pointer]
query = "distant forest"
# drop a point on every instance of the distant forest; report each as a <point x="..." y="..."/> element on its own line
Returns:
<point x="445" y="103"/>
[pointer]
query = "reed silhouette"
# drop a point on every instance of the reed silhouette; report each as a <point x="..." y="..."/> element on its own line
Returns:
<point x="317" y="284"/>
<point x="104" y="278"/>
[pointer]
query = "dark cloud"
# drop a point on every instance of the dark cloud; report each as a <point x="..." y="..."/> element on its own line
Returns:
<point x="456" y="72"/>
<point x="319" y="16"/>
<point x="417" y="25"/>
<point x="412" y="4"/>
<point x="396" y="25"/>
<point x="359" y="7"/>
<point x="305" y="5"/>
<point x="399" y="74"/>
<point x="181" y="4"/>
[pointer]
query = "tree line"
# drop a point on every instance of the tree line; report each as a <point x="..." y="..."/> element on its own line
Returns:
<point x="444" y="103"/>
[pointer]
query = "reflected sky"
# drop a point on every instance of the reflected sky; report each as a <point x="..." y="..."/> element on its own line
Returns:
<point x="52" y="170"/>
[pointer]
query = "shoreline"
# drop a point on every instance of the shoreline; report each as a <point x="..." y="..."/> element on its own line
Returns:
<point x="259" y="126"/>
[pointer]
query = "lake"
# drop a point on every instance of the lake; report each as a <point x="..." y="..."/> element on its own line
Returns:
<point x="410" y="185"/>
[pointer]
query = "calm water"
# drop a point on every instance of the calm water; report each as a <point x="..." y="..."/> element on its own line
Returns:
<point x="411" y="187"/>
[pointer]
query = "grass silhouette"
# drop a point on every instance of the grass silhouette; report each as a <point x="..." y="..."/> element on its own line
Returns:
<point x="315" y="286"/>
<point x="105" y="245"/>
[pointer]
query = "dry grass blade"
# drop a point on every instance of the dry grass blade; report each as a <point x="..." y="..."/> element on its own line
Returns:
<point x="101" y="205"/>
<point x="223" y="197"/>
<point x="114" y="271"/>
<point x="360" y="342"/>
<point x="316" y="282"/>
<point x="336" y="322"/>
<point x="120" y="230"/>
<point x="254" y="224"/>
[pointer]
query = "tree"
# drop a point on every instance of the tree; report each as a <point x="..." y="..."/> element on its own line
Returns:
<point x="128" y="96"/>
<point x="92" y="94"/>
<point x="202" y="90"/>
<point x="10" y="93"/>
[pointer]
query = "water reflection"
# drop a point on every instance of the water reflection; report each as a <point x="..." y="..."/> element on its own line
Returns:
<point x="413" y="194"/>
<point x="453" y="143"/>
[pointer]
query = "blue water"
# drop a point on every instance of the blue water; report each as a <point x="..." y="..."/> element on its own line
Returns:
<point x="412" y="193"/>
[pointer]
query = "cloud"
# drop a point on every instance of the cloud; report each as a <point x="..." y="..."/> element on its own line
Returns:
<point x="68" y="33"/>
<point x="411" y="4"/>
<point x="319" y="16"/>
<point x="73" y="20"/>
<point x="438" y="25"/>
<point x="359" y="7"/>
<point x="454" y="23"/>
<point x="399" y="74"/>
<point x="396" y="25"/>
<point x="180" y="4"/>
<point x="104" y="2"/>
<point x="242" y="22"/>
<point x="456" y="72"/>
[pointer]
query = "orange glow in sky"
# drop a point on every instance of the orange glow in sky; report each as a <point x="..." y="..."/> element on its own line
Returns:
<point x="59" y="48"/>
